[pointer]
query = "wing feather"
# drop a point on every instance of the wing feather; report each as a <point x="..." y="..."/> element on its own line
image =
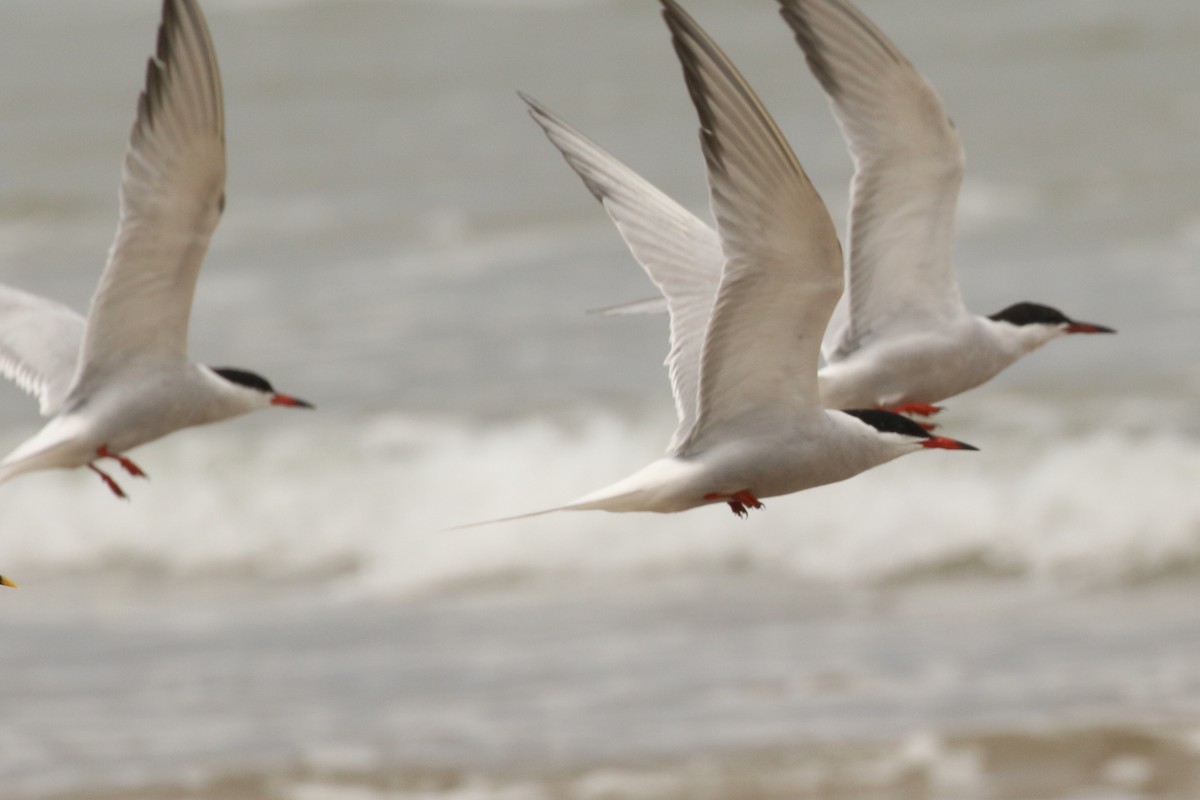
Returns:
<point x="908" y="164"/>
<point x="172" y="194"/>
<point x="39" y="345"/>
<point x="680" y="253"/>
<point x="783" y="266"/>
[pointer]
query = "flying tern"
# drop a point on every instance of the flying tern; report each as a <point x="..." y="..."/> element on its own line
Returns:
<point x="122" y="376"/>
<point x="743" y="359"/>
<point x="901" y="338"/>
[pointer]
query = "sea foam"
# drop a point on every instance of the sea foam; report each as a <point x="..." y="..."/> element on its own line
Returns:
<point x="362" y="505"/>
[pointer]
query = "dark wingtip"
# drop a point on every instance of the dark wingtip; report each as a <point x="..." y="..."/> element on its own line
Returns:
<point x="688" y="38"/>
<point x="154" y="86"/>
<point x="169" y="22"/>
<point x="535" y="108"/>
<point x="810" y="43"/>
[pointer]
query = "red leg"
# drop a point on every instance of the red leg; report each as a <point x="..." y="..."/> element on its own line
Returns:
<point x="916" y="409"/>
<point x="738" y="501"/>
<point x="130" y="467"/>
<point x="107" y="480"/>
<point x="744" y="496"/>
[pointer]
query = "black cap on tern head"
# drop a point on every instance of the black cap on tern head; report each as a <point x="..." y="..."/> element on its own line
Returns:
<point x="252" y="380"/>
<point x="1036" y="314"/>
<point x="1031" y="314"/>
<point x="889" y="422"/>
<point x="241" y="377"/>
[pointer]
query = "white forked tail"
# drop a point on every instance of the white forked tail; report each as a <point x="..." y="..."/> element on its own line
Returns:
<point x="481" y="523"/>
<point x="656" y="488"/>
<point x="620" y="502"/>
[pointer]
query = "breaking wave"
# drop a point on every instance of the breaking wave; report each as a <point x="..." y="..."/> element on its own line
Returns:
<point x="361" y="506"/>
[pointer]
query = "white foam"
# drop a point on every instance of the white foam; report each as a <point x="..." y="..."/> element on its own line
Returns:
<point x="362" y="506"/>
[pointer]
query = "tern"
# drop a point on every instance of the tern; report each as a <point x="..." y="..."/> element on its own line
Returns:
<point x="122" y="376"/>
<point x="743" y="360"/>
<point x="901" y="338"/>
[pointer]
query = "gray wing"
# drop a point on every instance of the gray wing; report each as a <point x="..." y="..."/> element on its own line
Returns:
<point x="783" y="263"/>
<point x="39" y="345"/>
<point x="680" y="253"/>
<point x="172" y="193"/>
<point x="908" y="168"/>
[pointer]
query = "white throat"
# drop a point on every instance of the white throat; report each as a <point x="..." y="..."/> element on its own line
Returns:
<point x="1017" y="340"/>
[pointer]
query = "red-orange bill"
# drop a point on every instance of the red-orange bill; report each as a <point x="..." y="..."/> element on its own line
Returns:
<point x="1088" y="327"/>
<point x="946" y="443"/>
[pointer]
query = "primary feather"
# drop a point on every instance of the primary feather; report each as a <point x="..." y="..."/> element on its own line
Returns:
<point x="172" y="194"/>
<point x="782" y="274"/>
<point x="908" y="167"/>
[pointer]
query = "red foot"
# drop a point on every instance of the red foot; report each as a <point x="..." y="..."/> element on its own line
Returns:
<point x="130" y="467"/>
<point x="917" y="409"/>
<point x="738" y="501"/>
<point x="927" y="426"/>
<point x="108" y="481"/>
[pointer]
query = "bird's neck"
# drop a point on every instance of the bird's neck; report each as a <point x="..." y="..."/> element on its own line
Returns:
<point x="1015" y="341"/>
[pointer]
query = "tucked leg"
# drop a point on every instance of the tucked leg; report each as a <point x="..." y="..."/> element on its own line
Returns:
<point x="130" y="467"/>
<point x="107" y="480"/>
<point x="916" y="409"/>
<point x="738" y="501"/>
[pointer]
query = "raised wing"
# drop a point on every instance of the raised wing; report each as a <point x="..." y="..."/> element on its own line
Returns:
<point x="783" y="264"/>
<point x="680" y="253"/>
<point x="172" y="193"/>
<point x="39" y="345"/>
<point x="908" y="168"/>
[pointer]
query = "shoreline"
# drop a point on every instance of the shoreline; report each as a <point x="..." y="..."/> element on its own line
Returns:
<point x="1114" y="762"/>
<point x="562" y="686"/>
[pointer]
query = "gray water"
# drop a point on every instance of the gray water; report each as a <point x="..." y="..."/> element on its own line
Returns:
<point x="403" y="247"/>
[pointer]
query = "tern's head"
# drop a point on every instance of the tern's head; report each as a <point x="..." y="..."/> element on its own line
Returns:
<point x="260" y="387"/>
<point x="1031" y="325"/>
<point x="902" y="432"/>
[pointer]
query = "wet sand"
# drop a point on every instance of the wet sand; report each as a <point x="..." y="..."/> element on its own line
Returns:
<point x="1103" y="763"/>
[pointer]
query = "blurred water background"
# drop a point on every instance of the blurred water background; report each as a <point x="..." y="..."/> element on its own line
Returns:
<point x="278" y="614"/>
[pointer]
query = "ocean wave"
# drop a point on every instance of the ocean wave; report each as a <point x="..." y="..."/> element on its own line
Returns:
<point x="361" y="506"/>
